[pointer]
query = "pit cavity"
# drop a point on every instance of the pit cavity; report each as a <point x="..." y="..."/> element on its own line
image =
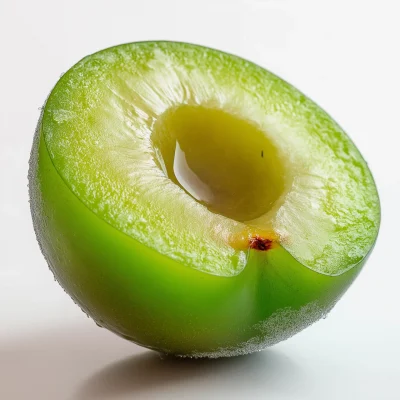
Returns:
<point x="224" y="162"/>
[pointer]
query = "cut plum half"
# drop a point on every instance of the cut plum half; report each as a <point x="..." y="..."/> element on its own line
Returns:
<point x="231" y="193"/>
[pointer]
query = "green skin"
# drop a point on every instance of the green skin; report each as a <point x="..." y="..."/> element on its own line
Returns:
<point x="153" y="300"/>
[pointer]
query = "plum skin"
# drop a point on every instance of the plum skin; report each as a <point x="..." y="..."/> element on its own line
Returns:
<point x="156" y="302"/>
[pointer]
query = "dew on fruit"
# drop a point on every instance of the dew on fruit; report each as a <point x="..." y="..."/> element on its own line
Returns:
<point x="281" y="325"/>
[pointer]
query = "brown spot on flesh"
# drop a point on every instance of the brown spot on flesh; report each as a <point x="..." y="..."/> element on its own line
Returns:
<point x="260" y="243"/>
<point x="253" y="238"/>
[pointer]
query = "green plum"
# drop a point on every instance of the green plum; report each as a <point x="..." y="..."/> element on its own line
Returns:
<point x="194" y="203"/>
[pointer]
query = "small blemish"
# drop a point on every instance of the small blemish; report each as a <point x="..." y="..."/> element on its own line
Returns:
<point x="259" y="243"/>
<point x="262" y="153"/>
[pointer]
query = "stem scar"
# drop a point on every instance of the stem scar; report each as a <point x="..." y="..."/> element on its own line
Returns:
<point x="258" y="243"/>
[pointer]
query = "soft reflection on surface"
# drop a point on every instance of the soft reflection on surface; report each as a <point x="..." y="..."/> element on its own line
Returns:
<point x="86" y="363"/>
<point x="148" y="374"/>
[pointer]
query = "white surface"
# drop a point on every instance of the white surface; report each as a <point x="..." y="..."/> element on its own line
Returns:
<point x="344" y="55"/>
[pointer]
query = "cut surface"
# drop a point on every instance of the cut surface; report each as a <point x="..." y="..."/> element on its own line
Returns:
<point x="124" y="130"/>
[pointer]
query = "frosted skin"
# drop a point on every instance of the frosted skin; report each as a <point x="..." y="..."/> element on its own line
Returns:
<point x="157" y="302"/>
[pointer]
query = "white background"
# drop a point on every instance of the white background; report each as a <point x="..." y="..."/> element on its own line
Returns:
<point x="345" y="56"/>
